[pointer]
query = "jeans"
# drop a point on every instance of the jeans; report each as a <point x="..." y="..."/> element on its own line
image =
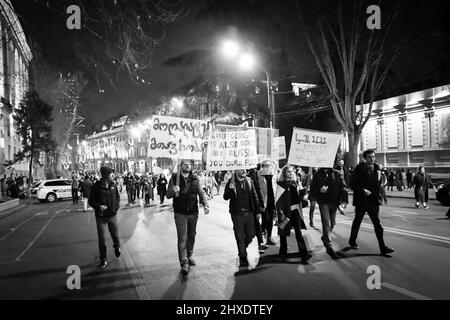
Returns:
<point x="296" y="223"/>
<point x="244" y="231"/>
<point x="131" y="195"/>
<point x="186" y="231"/>
<point x="328" y="217"/>
<point x="101" y="231"/>
<point x="75" y="195"/>
<point x="161" y="197"/>
<point x="312" y="207"/>
<point x="373" y="211"/>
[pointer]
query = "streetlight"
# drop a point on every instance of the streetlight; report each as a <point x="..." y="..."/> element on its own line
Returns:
<point x="246" y="62"/>
<point x="177" y="102"/>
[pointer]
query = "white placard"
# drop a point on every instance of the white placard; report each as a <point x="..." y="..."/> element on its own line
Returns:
<point x="231" y="150"/>
<point x="278" y="148"/>
<point x="311" y="148"/>
<point x="177" y="138"/>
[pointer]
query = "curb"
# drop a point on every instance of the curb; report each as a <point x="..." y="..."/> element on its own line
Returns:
<point x="11" y="211"/>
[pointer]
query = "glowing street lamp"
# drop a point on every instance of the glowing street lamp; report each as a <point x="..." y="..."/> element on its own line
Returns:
<point x="177" y="102"/>
<point x="247" y="62"/>
<point x="229" y="49"/>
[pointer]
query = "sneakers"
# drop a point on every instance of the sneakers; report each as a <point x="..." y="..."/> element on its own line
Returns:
<point x="353" y="246"/>
<point x="271" y="242"/>
<point x="191" y="261"/>
<point x="102" y="264"/>
<point x="417" y="204"/>
<point x="386" y="250"/>
<point x="117" y="251"/>
<point x="425" y="206"/>
<point x="185" y="269"/>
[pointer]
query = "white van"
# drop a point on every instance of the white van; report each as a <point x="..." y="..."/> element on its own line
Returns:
<point x="51" y="190"/>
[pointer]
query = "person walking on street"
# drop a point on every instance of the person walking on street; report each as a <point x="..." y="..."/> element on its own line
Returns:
<point x="147" y="188"/>
<point x="130" y="186"/>
<point x="383" y="183"/>
<point x="391" y="180"/>
<point x="312" y="201"/>
<point x="366" y="185"/>
<point x="268" y="185"/>
<point x="288" y="205"/>
<point x="105" y="199"/>
<point x="253" y="175"/>
<point x="329" y="189"/>
<point x="409" y="177"/>
<point x="75" y="186"/>
<point x="421" y="184"/>
<point x="185" y="207"/>
<point x="244" y="206"/>
<point x="162" y="187"/>
<point x="85" y="189"/>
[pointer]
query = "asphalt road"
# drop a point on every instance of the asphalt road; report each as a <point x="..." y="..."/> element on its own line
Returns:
<point x="38" y="244"/>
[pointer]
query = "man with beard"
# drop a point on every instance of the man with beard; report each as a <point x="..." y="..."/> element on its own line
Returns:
<point x="184" y="190"/>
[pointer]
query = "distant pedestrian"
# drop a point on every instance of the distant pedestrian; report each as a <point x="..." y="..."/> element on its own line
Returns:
<point x="268" y="185"/>
<point x="244" y="206"/>
<point x="120" y="182"/>
<point x="391" y="180"/>
<point x="409" y="177"/>
<point x="288" y="205"/>
<point x="366" y="185"/>
<point x="312" y="201"/>
<point x="86" y="188"/>
<point x="105" y="199"/>
<point x="75" y="186"/>
<point x="383" y="183"/>
<point x="421" y="184"/>
<point x="147" y="189"/>
<point x="185" y="207"/>
<point x="130" y="187"/>
<point x="162" y="187"/>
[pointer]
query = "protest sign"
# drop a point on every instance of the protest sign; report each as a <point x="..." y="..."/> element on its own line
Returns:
<point x="278" y="148"/>
<point x="312" y="148"/>
<point x="177" y="138"/>
<point x="231" y="150"/>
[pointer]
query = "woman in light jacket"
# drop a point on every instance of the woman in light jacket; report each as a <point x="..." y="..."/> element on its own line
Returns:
<point x="288" y="205"/>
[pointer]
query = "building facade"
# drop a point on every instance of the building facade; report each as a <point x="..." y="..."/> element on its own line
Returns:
<point x="15" y="57"/>
<point x="411" y="130"/>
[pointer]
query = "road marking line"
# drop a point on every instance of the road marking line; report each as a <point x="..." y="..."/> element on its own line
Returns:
<point x="405" y="232"/>
<point x="406" y="212"/>
<point x="39" y="234"/>
<point x="404" y="291"/>
<point x="23" y="222"/>
<point x="138" y="283"/>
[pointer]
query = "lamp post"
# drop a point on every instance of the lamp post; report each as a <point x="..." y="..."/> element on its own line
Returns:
<point x="246" y="61"/>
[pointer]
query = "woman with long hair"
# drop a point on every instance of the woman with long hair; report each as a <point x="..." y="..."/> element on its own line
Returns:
<point x="289" y="205"/>
<point x="162" y="187"/>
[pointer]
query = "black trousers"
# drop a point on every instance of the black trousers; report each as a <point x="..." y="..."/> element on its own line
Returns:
<point x="258" y="230"/>
<point x="267" y="221"/>
<point x="296" y="223"/>
<point x="373" y="210"/>
<point x="75" y="195"/>
<point x="244" y="231"/>
<point x="113" y="228"/>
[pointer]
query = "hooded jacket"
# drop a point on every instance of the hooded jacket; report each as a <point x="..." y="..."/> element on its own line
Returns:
<point x="106" y="193"/>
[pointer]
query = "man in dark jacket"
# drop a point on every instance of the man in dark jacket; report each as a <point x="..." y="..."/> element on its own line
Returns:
<point x="244" y="205"/>
<point x="184" y="191"/>
<point x="367" y="197"/>
<point x="85" y="188"/>
<point x="105" y="199"/>
<point x="328" y="188"/>
<point x="259" y="227"/>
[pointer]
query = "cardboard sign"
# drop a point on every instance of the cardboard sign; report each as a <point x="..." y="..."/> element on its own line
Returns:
<point x="177" y="138"/>
<point x="312" y="148"/>
<point x="231" y="150"/>
<point x="278" y="148"/>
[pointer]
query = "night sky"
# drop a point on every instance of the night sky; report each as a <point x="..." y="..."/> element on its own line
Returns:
<point x="426" y="60"/>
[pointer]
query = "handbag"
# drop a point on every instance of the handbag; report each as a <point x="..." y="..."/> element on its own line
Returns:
<point x="284" y="221"/>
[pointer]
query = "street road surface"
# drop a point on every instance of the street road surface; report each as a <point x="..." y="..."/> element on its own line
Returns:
<point x="38" y="243"/>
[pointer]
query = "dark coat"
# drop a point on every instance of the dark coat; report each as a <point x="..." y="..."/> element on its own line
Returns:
<point x="336" y="193"/>
<point x="283" y="203"/>
<point x="231" y="195"/>
<point x="162" y="186"/>
<point x="86" y="187"/>
<point x="363" y="179"/>
<point x="187" y="201"/>
<point x="101" y="194"/>
<point x="422" y="182"/>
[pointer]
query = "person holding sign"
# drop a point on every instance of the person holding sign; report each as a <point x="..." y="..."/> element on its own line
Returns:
<point x="185" y="207"/>
<point x="329" y="189"/>
<point x="367" y="197"/>
<point x="244" y="205"/>
<point x="267" y="185"/>
<point x="288" y="204"/>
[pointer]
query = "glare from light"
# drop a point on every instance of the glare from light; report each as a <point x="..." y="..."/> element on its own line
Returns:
<point x="229" y="49"/>
<point x="247" y="62"/>
<point x="177" y="103"/>
<point x="136" y="132"/>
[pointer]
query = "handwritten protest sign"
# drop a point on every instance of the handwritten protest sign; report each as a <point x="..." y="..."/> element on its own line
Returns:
<point x="177" y="138"/>
<point x="231" y="150"/>
<point x="264" y="138"/>
<point x="313" y="148"/>
<point x="278" y="148"/>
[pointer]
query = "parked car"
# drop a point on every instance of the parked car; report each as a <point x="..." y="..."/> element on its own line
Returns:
<point x="443" y="194"/>
<point x="52" y="190"/>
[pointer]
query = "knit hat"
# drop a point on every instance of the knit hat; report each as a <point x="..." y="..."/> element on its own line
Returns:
<point x="105" y="172"/>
